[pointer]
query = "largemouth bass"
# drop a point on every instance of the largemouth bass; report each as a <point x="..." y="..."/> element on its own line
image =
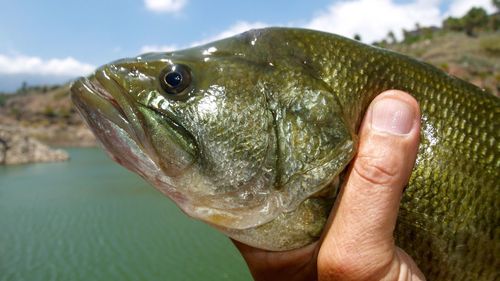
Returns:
<point x="252" y="134"/>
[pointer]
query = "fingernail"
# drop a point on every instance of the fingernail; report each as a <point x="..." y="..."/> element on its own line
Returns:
<point x="392" y="116"/>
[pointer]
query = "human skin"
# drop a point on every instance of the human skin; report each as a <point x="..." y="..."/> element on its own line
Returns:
<point x="358" y="242"/>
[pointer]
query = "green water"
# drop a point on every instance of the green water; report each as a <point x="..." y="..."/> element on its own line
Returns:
<point x="90" y="219"/>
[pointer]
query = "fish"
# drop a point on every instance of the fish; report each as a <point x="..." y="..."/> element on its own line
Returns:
<point x="253" y="134"/>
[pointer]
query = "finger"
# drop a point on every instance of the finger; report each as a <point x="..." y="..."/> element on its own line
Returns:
<point x="360" y="238"/>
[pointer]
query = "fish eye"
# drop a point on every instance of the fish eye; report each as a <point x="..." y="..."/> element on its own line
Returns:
<point x="175" y="79"/>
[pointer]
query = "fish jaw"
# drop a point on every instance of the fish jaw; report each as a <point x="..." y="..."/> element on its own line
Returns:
<point x="107" y="120"/>
<point x="114" y="120"/>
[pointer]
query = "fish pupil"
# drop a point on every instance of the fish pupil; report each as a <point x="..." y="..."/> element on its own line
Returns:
<point x="174" y="79"/>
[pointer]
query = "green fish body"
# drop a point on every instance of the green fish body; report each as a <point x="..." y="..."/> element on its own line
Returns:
<point x="252" y="134"/>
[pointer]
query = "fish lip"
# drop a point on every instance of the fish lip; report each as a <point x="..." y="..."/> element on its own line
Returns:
<point x="86" y="88"/>
<point x="100" y="91"/>
<point x="97" y="89"/>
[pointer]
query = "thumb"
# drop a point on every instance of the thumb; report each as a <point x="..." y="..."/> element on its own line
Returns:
<point x="359" y="243"/>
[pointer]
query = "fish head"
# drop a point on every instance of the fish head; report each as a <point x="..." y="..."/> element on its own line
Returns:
<point x="233" y="133"/>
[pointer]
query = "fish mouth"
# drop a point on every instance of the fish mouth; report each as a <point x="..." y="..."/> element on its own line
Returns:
<point x="107" y="111"/>
<point x="121" y="127"/>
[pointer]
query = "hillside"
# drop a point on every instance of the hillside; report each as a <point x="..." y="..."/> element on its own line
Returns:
<point x="46" y="114"/>
<point x="474" y="59"/>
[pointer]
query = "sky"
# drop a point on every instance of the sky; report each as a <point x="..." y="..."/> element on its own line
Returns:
<point x="54" y="41"/>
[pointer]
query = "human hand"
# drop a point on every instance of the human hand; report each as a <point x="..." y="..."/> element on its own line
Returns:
<point x="358" y="243"/>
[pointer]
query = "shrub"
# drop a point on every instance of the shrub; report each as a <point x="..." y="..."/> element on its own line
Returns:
<point x="3" y="99"/>
<point x="491" y="44"/>
<point x="49" y="112"/>
<point x="454" y="24"/>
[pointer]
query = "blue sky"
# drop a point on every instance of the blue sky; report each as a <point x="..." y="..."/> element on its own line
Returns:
<point x="53" y="41"/>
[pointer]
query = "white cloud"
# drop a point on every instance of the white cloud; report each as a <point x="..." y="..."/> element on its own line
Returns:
<point x="373" y="19"/>
<point x="167" y="6"/>
<point x="21" y="64"/>
<point x="237" y="28"/>
<point x="458" y="8"/>
<point x="158" y="48"/>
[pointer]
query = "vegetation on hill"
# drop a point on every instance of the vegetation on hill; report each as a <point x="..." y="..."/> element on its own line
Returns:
<point x="40" y="105"/>
<point x="45" y="113"/>
<point x="466" y="47"/>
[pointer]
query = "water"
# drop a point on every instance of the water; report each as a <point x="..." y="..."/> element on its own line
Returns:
<point x="90" y="219"/>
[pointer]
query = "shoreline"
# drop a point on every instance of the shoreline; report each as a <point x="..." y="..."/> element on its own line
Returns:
<point x="26" y="145"/>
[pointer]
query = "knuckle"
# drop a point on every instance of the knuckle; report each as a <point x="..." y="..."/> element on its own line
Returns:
<point x="335" y="266"/>
<point x="375" y="171"/>
<point x="351" y="264"/>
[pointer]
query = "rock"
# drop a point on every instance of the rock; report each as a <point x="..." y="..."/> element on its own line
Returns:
<point x="18" y="148"/>
<point x="62" y="135"/>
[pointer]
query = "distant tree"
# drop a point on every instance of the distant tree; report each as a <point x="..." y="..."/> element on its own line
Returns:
<point x="391" y="37"/>
<point x="3" y="99"/>
<point x="410" y="37"/>
<point x="495" y="18"/>
<point x="406" y="35"/>
<point x="24" y="88"/>
<point x="428" y="32"/>
<point x="454" y="24"/>
<point x="382" y="43"/>
<point x="475" y="18"/>
<point x="357" y="37"/>
<point x="495" y="21"/>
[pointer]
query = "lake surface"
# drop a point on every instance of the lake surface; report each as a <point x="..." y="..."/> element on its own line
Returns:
<point x="90" y="219"/>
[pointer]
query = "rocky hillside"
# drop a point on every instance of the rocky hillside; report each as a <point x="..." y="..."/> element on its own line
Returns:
<point x="36" y="118"/>
<point x="46" y="114"/>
